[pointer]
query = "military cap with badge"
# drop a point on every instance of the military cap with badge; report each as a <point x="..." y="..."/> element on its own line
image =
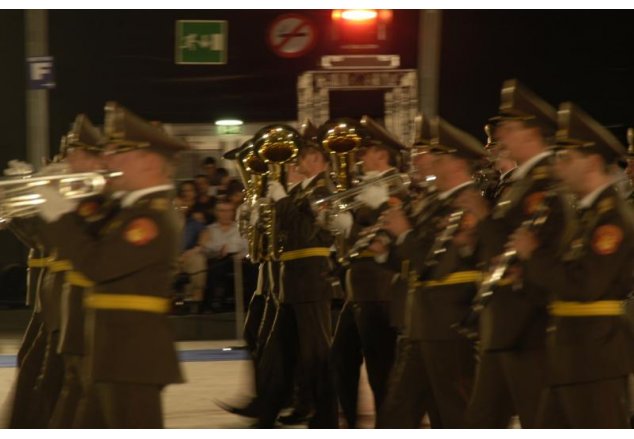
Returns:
<point x="518" y="103"/>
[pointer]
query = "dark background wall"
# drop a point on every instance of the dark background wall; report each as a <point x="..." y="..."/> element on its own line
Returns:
<point x="583" y="56"/>
<point x="12" y="114"/>
<point x="128" y="56"/>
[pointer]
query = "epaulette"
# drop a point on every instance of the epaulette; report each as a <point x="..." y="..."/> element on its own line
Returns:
<point x="160" y="204"/>
<point x="605" y="205"/>
<point x="321" y="183"/>
<point x="540" y="173"/>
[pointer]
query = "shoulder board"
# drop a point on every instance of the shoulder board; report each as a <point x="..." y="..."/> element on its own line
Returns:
<point x="540" y="173"/>
<point x="160" y="204"/>
<point x="321" y="183"/>
<point x="606" y="205"/>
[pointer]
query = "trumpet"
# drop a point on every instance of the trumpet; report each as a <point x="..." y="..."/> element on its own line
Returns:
<point x="19" y="196"/>
<point x="347" y="200"/>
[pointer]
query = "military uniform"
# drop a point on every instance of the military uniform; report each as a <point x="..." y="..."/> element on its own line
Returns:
<point x="510" y="375"/>
<point x="301" y="334"/>
<point x="364" y="330"/>
<point x="33" y="348"/>
<point x="589" y="345"/>
<point x="630" y="159"/>
<point x="130" y="352"/>
<point x="435" y="366"/>
<point x="94" y="213"/>
<point x="44" y="392"/>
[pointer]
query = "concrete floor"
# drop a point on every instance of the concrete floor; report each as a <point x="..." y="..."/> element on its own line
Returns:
<point x="191" y="405"/>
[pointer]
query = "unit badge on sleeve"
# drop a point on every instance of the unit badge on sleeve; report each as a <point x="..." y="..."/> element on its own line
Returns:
<point x="140" y="231"/>
<point x="607" y="239"/>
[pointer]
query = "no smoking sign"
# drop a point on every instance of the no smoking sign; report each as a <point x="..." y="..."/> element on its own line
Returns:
<point x="291" y="35"/>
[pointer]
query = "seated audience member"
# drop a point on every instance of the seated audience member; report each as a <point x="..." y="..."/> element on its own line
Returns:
<point x="208" y="167"/>
<point x="191" y="282"/>
<point x="235" y="193"/>
<point x="222" y="178"/>
<point x="205" y="200"/>
<point x="220" y="241"/>
<point x="187" y="194"/>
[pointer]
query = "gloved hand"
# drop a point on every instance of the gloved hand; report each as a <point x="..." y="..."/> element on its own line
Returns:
<point x="18" y="167"/>
<point x="55" y="168"/>
<point x="341" y="223"/>
<point x="54" y="205"/>
<point x="276" y="191"/>
<point x="374" y="195"/>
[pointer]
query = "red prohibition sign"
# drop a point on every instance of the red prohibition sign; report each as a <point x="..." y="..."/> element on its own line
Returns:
<point x="291" y="35"/>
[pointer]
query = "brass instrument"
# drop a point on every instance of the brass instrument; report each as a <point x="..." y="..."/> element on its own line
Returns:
<point x="19" y="197"/>
<point x="340" y="138"/>
<point x="345" y="201"/>
<point x="252" y="170"/>
<point x="276" y="145"/>
<point x="443" y="239"/>
<point x="486" y="178"/>
<point x="365" y="240"/>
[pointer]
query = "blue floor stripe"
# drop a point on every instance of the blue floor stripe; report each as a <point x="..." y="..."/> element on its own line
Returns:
<point x="8" y="361"/>
<point x="184" y="356"/>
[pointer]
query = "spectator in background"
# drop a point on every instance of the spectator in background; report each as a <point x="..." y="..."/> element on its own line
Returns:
<point x="220" y="242"/>
<point x="205" y="201"/>
<point x="223" y="178"/>
<point x="208" y="167"/>
<point x="235" y="193"/>
<point x="192" y="262"/>
<point x="187" y="195"/>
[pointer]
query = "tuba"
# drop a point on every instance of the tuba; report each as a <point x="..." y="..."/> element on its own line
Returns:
<point x="341" y="138"/>
<point x="275" y="145"/>
<point x="252" y="172"/>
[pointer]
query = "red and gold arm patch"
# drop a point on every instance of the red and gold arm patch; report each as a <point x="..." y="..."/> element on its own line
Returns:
<point x="141" y="231"/>
<point x="607" y="239"/>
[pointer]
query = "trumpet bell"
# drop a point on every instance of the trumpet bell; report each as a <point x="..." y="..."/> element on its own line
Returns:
<point x="19" y="196"/>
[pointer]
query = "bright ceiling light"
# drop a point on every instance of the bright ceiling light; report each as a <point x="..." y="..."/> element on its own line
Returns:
<point x="228" y="122"/>
<point x="359" y="14"/>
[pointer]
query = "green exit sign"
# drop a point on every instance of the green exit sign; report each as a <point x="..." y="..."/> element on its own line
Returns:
<point x="201" y="42"/>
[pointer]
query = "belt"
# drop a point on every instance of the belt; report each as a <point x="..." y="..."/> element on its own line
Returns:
<point x="459" y="277"/>
<point x="37" y="262"/>
<point x="60" y="265"/>
<point x="305" y="253"/>
<point x="587" y="309"/>
<point x="78" y="279"/>
<point x="127" y="302"/>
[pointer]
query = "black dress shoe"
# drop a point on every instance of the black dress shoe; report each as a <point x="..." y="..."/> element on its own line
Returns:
<point x="294" y="418"/>
<point x="249" y="411"/>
